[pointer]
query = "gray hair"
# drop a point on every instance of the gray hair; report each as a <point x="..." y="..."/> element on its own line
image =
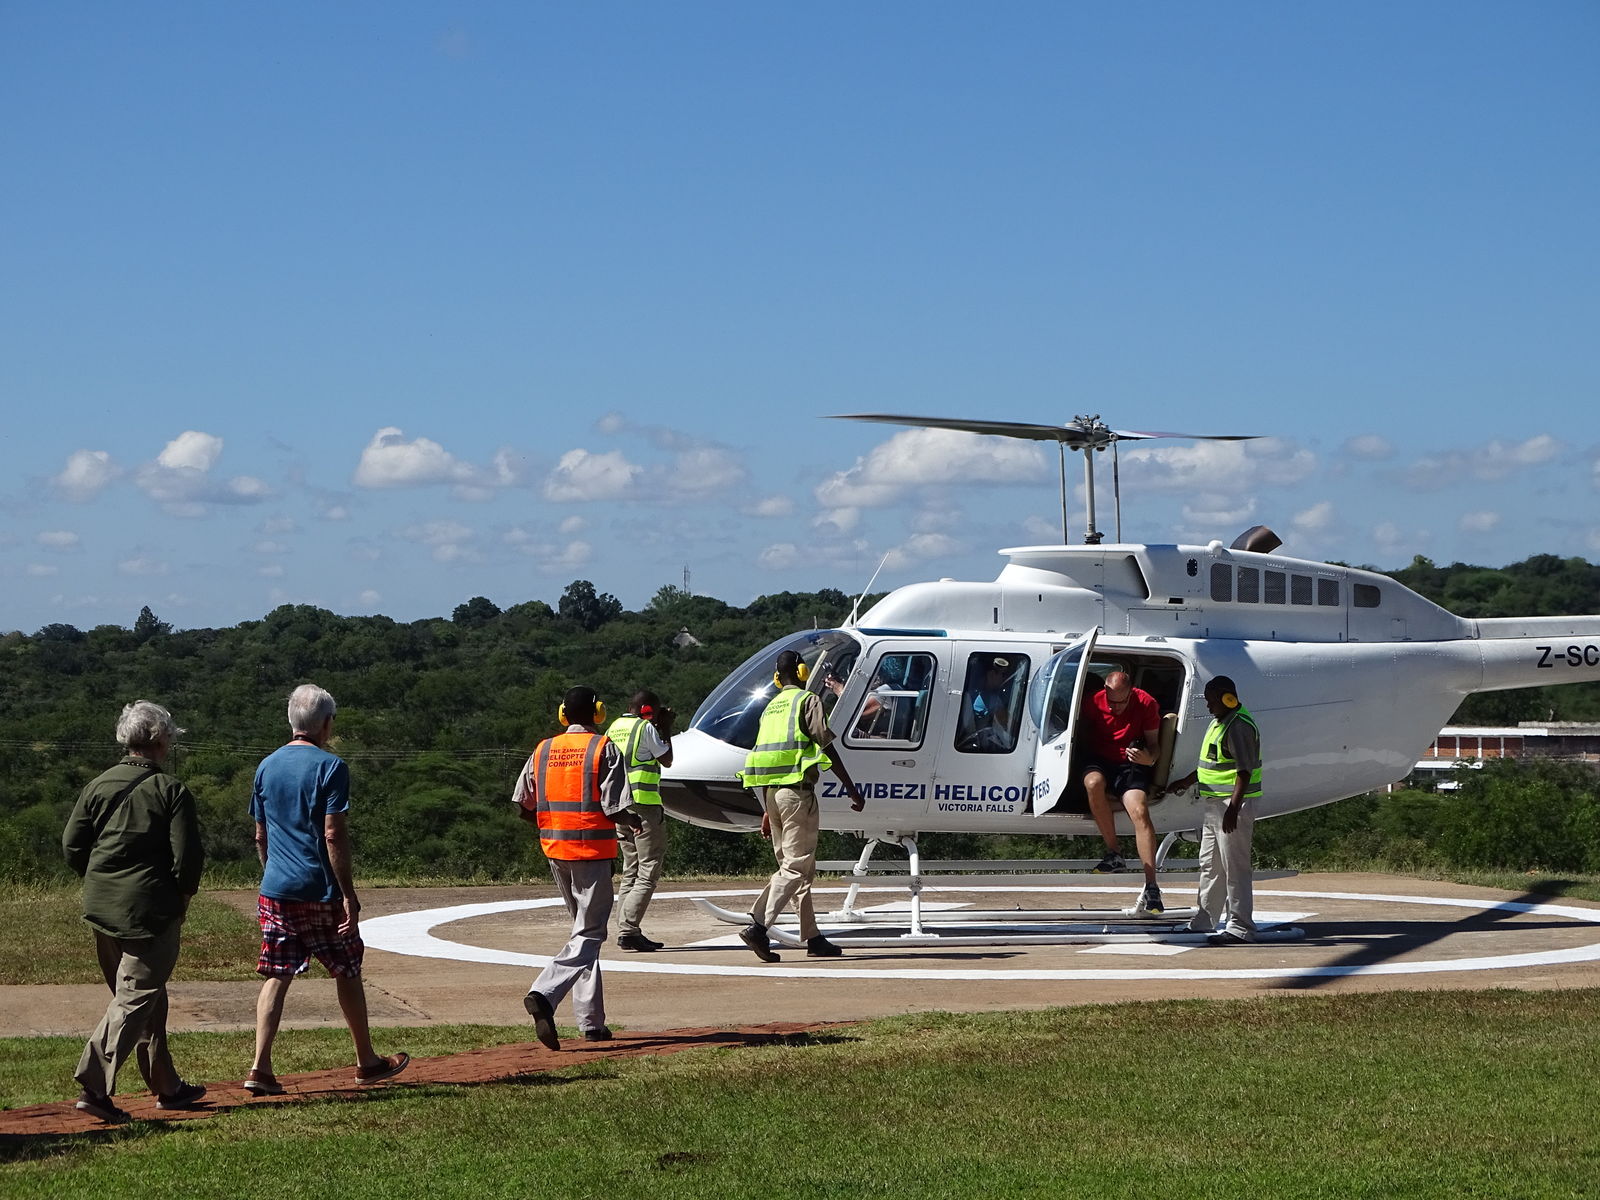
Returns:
<point x="143" y="724"/>
<point x="309" y="707"/>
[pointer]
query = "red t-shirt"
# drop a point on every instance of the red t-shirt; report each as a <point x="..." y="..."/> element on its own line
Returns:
<point x="1107" y="734"/>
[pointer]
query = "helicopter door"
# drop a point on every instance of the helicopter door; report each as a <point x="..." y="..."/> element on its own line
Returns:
<point x="1053" y="701"/>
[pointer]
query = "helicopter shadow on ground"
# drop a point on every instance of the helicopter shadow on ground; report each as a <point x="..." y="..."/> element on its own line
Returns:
<point x="1374" y="942"/>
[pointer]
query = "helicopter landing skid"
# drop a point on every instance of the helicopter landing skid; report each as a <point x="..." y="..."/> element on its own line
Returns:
<point x="999" y="927"/>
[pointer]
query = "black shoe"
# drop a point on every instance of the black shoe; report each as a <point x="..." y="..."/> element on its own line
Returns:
<point x="637" y="942"/>
<point x="1150" y="900"/>
<point x="755" y="936"/>
<point x="821" y="947"/>
<point x="603" y="1034"/>
<point x="1228" y="939"/>
<point x="544" y="1020"/>
<point x="186" y="1095"/>
<point x="101" y="1106"/>
<point x="1110" y="864"/>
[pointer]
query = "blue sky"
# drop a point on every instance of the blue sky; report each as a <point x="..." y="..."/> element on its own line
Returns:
<point x="383" y="306"/>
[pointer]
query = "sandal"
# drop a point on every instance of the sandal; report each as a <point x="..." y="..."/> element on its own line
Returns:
<point x="385" y="1068"/>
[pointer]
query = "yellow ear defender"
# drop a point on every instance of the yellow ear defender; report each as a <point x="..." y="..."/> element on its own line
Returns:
<point x="802" y="673"/>
<point x="1229" y="700"/>
<point x="599" y="713"/>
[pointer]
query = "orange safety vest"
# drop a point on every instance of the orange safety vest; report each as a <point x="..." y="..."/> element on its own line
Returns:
<point x="566" y="776"/>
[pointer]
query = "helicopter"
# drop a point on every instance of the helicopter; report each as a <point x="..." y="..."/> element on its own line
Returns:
<point x="955" y="703"/>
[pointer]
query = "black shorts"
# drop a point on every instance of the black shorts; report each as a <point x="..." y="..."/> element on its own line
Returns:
<point x="1120" y="777"/>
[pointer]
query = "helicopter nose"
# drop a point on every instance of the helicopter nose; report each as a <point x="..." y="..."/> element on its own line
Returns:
<point x="702" y="785"/>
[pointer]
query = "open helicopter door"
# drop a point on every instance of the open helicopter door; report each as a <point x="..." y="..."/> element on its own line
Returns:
<point x="1054" y="700"/>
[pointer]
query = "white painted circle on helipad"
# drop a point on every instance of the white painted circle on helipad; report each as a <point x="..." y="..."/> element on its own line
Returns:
<point x="412" y="933"/>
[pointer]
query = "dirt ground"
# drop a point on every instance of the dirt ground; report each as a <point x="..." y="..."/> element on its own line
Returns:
<point x="1360" y="932"/>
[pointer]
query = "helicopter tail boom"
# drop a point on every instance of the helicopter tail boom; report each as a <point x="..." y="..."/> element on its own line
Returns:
<point x="1536" y="651"/>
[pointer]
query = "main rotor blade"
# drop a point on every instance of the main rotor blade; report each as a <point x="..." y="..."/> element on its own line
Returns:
<point x="1072" y="435"/>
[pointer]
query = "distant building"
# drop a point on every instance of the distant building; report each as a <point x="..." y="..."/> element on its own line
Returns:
<point x="685" y="638"/>
<point x="1468" y="746"/>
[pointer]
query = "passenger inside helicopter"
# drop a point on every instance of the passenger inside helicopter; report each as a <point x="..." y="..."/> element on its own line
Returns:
<point x="896" y="704"/>
<point x="992" y="703"/>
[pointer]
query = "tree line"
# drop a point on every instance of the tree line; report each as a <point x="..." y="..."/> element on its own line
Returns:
<point x="438" y="715"/>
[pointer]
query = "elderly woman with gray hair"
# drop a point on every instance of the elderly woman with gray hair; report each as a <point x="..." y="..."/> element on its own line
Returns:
<point x="135" y="839"/>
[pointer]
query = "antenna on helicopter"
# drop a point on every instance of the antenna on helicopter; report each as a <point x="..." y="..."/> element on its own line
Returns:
<point x="855" y="608"/>
<point x="1087" y="433"/>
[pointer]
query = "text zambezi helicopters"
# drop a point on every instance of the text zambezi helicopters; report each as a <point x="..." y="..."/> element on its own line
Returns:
<point x="955" y="702"/>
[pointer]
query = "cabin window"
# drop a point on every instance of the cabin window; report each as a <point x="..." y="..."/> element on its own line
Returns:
<point x="1249" y="585"/>
<point x="1328" y="593"/>
<point x="991" y="703"/>
<point x="1276" y="581"/>
<point x="895" y="708"/>
<point x="1221" y="582"/>
<point x="1300" y="589"/>
<point x="1366" y="595"/>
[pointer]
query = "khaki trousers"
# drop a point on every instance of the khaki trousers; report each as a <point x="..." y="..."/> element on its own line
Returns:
<point x="792" y="813"/>
<point x="585" y="886"/>
<point x="643" y="854"/>
<point x="136" y="970"/>
<point x="1226" y="897"/>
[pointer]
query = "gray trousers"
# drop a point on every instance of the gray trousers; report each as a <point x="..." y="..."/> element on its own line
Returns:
<point x="136" y="970"/>
<point x="792" y="813"/>
<point x="1226" y="899"/>
<point x="586" y="888"/>
<point x="643" y="854"/>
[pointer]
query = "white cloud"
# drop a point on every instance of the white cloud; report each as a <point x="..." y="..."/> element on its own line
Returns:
<point x="1209" y="510"/>
<point x="581" y="475"/>
<point x="919" y="548"/>
<point x="1493" y="461"/>
<point x="931" y="457"/>
<point x="574" y="554"/>
<point x="1046" y="531"/>
<point x="1314" y="519"/>
<point x="779" y="556"/>
<point x="1217" y="466"/>
<point x="335" y="512"/>
<point x="449" y="541"/>
<point x="548" y="554"/>
<point x="86" y="475"/>
<point x="782" y="506"/>
<point x="191" y="450"/>
<point x="269" y="547"/>
<point x="1478" y="522"/>
<point x="142" y="564"/>
<point x="1387" y="536"/>
<point x="270" y="571"/>
<point x="573" y="524"/>
<point x="179" y="479"/>
<point x="369" y="597"/>
<point x="611" y="423"/>
<point x="1368" y="446"/>
<point x="43" y="570"/>
<point x="58" y="539"/>
<point x="389" y="461"/>
<point x="842" y="520"/>
<point x="703" y="470"/>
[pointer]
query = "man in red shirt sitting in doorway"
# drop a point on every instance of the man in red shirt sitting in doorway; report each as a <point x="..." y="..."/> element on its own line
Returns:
<point x="1121" y="734"/>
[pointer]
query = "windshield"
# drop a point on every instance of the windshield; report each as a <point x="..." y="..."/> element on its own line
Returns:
<point x="732" y="712"/>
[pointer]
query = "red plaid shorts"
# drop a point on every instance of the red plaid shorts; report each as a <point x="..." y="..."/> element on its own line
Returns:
<point x="294" y="930"/>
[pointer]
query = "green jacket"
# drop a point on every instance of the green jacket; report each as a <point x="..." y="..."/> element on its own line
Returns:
<point x="139" y="855"/>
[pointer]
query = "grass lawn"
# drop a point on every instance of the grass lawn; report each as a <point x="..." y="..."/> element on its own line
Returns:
<point x="1400" y="1094"/>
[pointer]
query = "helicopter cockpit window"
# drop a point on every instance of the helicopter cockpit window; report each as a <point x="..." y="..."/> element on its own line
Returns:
<point x="992" y="703"/>
<point x="894" y="710"/>
<point x="732" y="713"/>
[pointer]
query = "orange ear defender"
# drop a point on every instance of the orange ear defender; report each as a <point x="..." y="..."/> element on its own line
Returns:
<point x="801" y="672"/>
<point x="1229" y="700"/>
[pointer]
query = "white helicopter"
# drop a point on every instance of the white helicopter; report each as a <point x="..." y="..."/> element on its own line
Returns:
<point x="1349" y="674"/>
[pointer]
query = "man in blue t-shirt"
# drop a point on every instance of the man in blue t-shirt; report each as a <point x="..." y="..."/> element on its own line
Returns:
<point x="308" y="904"/>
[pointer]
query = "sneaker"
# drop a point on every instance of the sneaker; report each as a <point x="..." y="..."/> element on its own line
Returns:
<point x="1150" y="900"/>
<point x="100" y="1106"/>
<point x="187" y="1095"/>
<point x="1226" y="938"/>
<point x="262" y="1083"/>
<point x="386" y="1067"/>
<point x="1110" y="864"/>
<point x="821" y="947"/>
<point x="544" y="1020"/>
<point x="638" y="943"/>
<point x="603" y="1034"/>
<point x="755" y="936"/>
